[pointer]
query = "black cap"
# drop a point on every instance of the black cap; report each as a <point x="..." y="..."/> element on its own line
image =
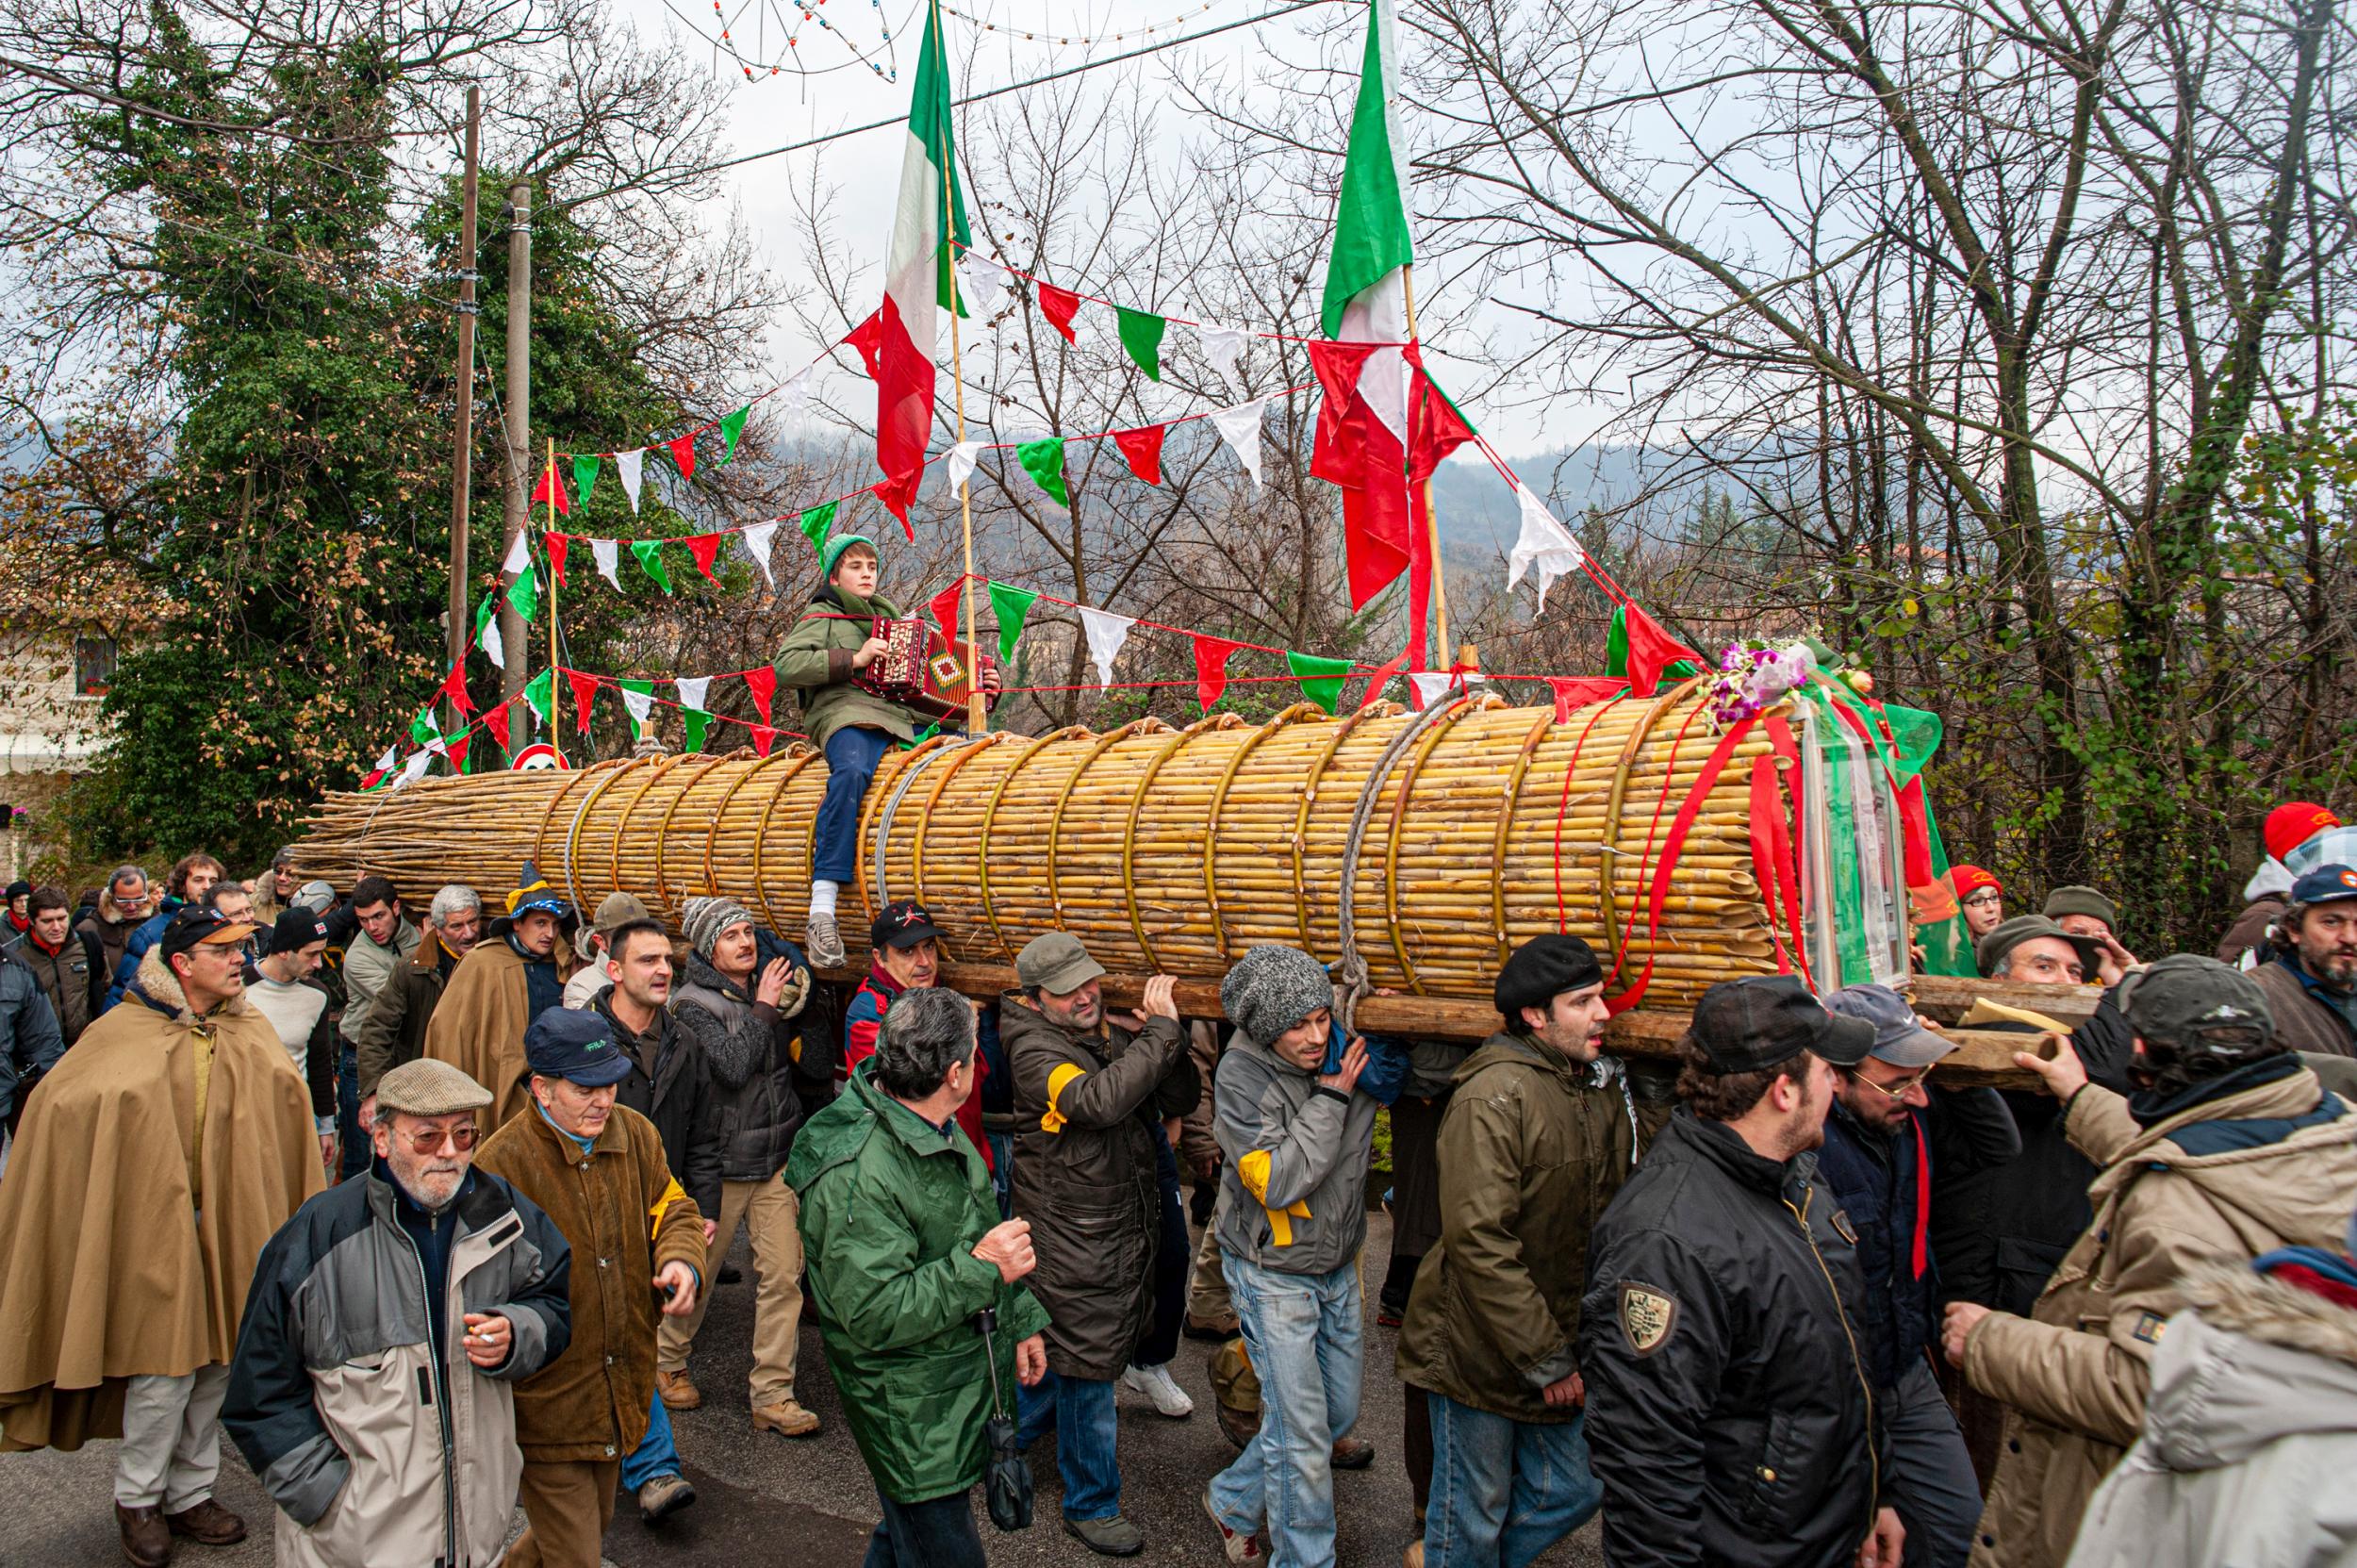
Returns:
<point x="2191" y="1000"/>
<point x="904" y="923"/>
<point x="1543" y="969"/>
<point x="194" y="924"/>
<point x="20" y="890"/>
<point x="296" y="928"/>
<point x="575" y="1043"/>
<point x="1763" y="1021"/>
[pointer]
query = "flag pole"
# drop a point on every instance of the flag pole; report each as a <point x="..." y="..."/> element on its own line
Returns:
<point x="977" y="713"/>
<point x="1431" y="514"/>
<point x="555" y="701"/>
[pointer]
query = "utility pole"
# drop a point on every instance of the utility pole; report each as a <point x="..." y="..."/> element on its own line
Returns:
<point x="462" y="445"/>
<point x="512" y="628"/>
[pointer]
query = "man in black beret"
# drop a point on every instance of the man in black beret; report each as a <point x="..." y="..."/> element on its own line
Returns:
<point x="1539" y="1136"/>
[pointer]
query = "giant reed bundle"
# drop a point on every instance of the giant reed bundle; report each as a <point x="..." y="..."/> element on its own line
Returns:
<point x="1479" y="826"/>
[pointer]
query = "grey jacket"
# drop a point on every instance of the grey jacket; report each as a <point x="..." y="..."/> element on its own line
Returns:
<point x="761" y="1088"/>
<point x="367" y="967"/>
<point x="2250" y="1437"/>
<point x="1292" y="1192"/>
<point x="30" y="1041"/>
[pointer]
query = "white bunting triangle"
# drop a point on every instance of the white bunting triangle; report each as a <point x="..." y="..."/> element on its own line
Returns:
<point x="984" y="285"/>
<point x="519" y="557"/>
<point x="385" y="763"/>
<point x="1240" y="428"/>
<point x="415" y="769"/>
<point x="1433" y="685"/>
<point x="1106" y="634"/>
<point x="792" y="395"/>
<point x="629" y="465"/>
<point x="640" y="703"/>
<point x="757" y="539"/>
<point x="1223" y="346"/>
<point x="609" y="554"/>
<point x="692" y="690"/>
<point x="1544" y="544"/>
<point x="490" y="642"/>
<point x="962" y="459"/>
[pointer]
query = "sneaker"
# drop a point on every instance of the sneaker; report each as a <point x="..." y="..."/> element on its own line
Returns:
<point x="1114" y="1537"/>
<point x="1241" y="1545"/>
<point x="785" y="1418"/>
<point x="824" y="948"/>
<point x="1157" y="1384"/>
<point x="664" y="1495"/>
<point x="677" y="1391"/>
<point x="208" y="1524"/>
<point x="1387" y="1316"/>
<point x="1352" y="1453"/>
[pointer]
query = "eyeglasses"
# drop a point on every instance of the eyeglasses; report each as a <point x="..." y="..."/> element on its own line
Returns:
<point x="1897" y="1091"/>
<point x="1984" y="901"/>
<point x="429" y="1140"/>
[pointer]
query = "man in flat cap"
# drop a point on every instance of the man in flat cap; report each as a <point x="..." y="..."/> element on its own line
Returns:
<point x="372" y="1389"/>
<point x="123" y="1270"/>
<point x="1538" y="1137"/>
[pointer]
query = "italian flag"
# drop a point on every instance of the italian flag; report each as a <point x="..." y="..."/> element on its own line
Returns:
<point x="918" y="281"/>
<point x="1383" y="426"/>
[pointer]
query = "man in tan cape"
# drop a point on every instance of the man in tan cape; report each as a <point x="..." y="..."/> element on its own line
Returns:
<point x="123" y="1270"/>
<point x="517" y="972"/>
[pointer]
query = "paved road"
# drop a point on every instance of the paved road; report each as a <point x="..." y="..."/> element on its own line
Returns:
<point x="764" y="1499"/>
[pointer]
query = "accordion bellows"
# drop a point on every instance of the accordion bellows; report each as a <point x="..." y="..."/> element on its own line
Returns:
<point x="1164" y="848"/>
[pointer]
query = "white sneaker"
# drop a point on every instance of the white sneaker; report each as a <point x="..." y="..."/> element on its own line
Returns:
<point x="1157" y="1384"/>
<point x="824" y="947"/>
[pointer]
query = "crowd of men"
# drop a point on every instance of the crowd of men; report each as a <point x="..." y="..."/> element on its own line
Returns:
<point x="456" y="1183"/>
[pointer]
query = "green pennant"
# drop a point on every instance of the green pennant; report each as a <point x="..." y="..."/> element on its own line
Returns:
<point x="538" y="692"/>
<point x="731" y="426"/>
<point x="1142" y="336"/>
<point x="650" y="554"/>
<point x="1010" y="604"/>
<point x="422" y="729"/>
<point x="1043" y="460"/>
<point x="1616" y="643"/>
<point x="585" y="476"/>
<point x="642" y="688"/>
<point x="1321" y="679"/>
<point x="483" y="612"/>
<point x="524" y="594"/>
<point x="697" y="721"/>
<point x="817" y="523"/>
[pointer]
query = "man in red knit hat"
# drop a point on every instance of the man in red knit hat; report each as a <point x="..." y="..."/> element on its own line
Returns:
<point x="2288" y="826"/>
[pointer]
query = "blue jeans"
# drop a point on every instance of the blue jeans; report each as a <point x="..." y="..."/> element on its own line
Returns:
<point x="852" y="754"/>
<point x="1081" y="1411"/>
<point x="936" y="1533"/>
<point x="1304" y="1333"/>
<point x="1504" y="1491"/>
<point x="357" y="1148"/>
<point x="1002" y="1171"/>
<point x="655" y="1454"/>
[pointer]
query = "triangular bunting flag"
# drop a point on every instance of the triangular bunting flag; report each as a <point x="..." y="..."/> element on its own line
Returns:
<point x="1650" y="650"/>
<point x="897" y="494"/>
<point x="704" y="547"/>
<point x="584" y="480"/>
<point x="556" y="544"/>
<point x="423" y="728"/>
<point x="1142" y="339"/>
<point x="1210" y="668"/>
<point x="383" y="765"/>
<point x="695" y="722"/>
<point x="639" y="697"/>
<point x="1223" y="346"/>
<point x="1381" y="677"/>
<point x="1321" y="679"/>
<point x="1572" y="693"/>
<point x="1043" y="460"/>
<point x="683" y="453"/>
<point x="764" y="737"/>
<point x="763" y="683"/>
<point x="757" y="539"/>
<point x="1058" y="305"/>
<point x="486" y="631"/>
<point x="414" y="769"/>
<point x="1106" y="633"/>
<point x="608" y="554"/>
<point x="1240" y="428"/>
<point x="632" y="467"/>
<point x="519" y="559"/>
<point x="692" y="690"/>
<point x="983" y="284"/>
<point x="731" y="426"/>
<point x="1143" y="449"/>
<point x="960" y="465"/>
<point x="1008" y="606"/>
<point x="524" y="594"/>
<point x="584" y="697"/>
<point x="1431" y="686"/>
<point x="456" y="752"/>
<point x="550" y="493"/>
<point x="650" y="554"/>
<point x="455" y="687"/>
<point x="1545" y="544"/>
<point x="945" y="605"/>
<point x="495" y="721"/>
<point x="817" y="523"/>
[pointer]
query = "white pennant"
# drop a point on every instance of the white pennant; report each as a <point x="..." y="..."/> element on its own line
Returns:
<point x="691" y="690"/>
<point x="1545" y="544"/>
<point x="519" y="557"/>
<point x="493" y="647"/>
<point x="640" y="703"/>
<point x="1106" y="634"/>
<point x="385" y="763"/>
<point x="415" y="769"/>
<point x="1223" y="346"/>
<point x="983" y="284"/>
<point x="628" y="465"/>
<point x="793" y="394"/>
<point x="1433" y="685"/>
<point x="757" y="539"/>
<point x="609" y="554"/>
<point x="962" y="458"/>
<point x="1240" y="428"/>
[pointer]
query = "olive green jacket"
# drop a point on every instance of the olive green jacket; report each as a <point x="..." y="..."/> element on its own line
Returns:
<point x="817" y="662"/>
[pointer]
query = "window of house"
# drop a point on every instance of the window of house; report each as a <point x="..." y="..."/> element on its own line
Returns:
<point x="94" y="665"/>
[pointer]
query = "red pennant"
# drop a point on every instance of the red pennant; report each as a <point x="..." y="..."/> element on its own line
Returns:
<point x="1382" y="677"/>
<point x="495" y="721"/>
<point x="456" y="749"/>
<point x="704" y="547"/>
<point x="556" y="544"/>
<point x="550" y="493"/>
<point x="764" y="686"/>
<point x="1144" y="449"/>
<point x="584" y="697"/>
<point x="1651" y="650"/>
<point x="1435" y="429"/>
<point x="1338" y="367"/>
<point x="898" y="494"/>
<point x="764" y="737"/>
<point x="683" y="453"/>
<point x="1210" y="668"/>
<point x="1572" y="693"/>
<point x="455" y="687"/>
<point x="1059" y="306"/>
<point x="868" y="339"/>
<point x="945" y="606"/>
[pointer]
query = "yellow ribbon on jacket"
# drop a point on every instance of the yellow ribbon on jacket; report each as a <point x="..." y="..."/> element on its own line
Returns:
<point x="1252" y="1170"/>
<point x="1059" y="1078"/>
<point x="671" y="1194"/>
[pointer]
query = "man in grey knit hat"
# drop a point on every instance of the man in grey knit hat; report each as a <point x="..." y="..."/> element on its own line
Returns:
<point x="1292" y="1219"/>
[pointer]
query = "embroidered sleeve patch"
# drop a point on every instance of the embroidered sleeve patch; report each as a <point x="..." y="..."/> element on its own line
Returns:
<point x="2148" y="1327"/>
<point x="1647" y="1317"/>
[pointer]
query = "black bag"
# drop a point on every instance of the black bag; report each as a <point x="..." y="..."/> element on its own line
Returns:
<point x="1006" y="1479"/>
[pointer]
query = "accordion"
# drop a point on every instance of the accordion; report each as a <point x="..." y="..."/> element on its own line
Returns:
<point x="920" y="669"/>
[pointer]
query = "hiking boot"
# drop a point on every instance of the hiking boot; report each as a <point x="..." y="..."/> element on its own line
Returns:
<point x="208" y="1524"/>
<point x="146" y="1540"/>
<point x="664" y="1495"/>
<point x="677" y="1391"/>
<point x="1157" y="1384"/>
<point x="1240" y="1545"/>
<point x="1114" y="1537"/>
<point x="824" y="947"/>
<point x="1240" y="1427"/>
<point x="1352" y="1453"/>
<point x="785" y="1418"/>
<point x="1223" y="1327"/>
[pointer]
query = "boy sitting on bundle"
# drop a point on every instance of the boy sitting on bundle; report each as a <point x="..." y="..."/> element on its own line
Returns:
<point x="832" y="642"/>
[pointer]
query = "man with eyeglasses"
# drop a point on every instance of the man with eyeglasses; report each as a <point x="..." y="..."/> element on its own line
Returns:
<point x="372" y="1388"/>
<point x="1889" y="1137"/>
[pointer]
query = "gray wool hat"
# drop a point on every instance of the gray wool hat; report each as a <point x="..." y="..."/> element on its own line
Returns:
<point x="703" y="920"/>
<point x="1272" y="988"/>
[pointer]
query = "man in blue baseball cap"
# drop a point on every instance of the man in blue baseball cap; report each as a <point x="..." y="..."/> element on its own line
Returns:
<point x="504" y="984"/>
<point x="598" y="1170"/>
<point x="2311" y="983"/>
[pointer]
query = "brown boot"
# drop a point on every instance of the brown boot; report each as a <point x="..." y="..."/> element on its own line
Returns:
<point x="146" y="1540"/>
<point x="785" y="1418"/>
<point x="1352" y="1453"/>
<point x="677" y="1392"/>
<point x="208" y="1524"/>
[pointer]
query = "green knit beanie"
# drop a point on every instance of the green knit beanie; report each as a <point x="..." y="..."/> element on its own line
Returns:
<point x="835" y="547"/>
